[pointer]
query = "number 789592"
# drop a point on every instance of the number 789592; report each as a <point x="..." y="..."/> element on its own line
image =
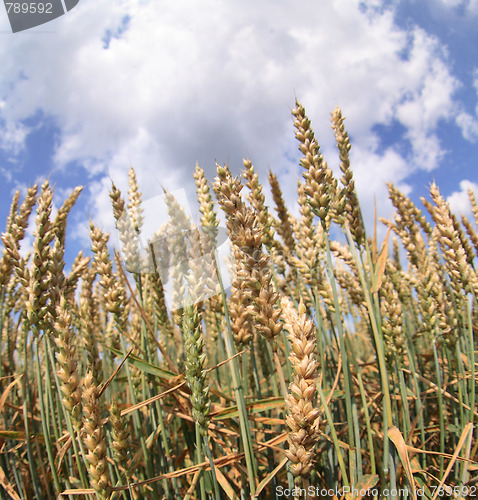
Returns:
<point x="29" y="8"/>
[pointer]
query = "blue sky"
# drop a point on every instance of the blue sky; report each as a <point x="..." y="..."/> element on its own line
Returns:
<point x="162" y="85"/>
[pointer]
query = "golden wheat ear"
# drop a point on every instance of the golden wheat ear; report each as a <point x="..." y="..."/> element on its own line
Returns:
<point x="301" y="401"/>
<point x="94" y="439"/>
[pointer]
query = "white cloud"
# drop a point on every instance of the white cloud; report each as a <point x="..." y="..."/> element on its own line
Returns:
<point x="467" y="122"/>
<point x="459" y="201"/>
<point x="468" y="125"/>
<point x="12" y="138"/>
<point x="468" y="6"/>
<point x="371" y="182"/>
<point x="429" y="101"/>
<point x="189" y="81"/>
<point x="453" y="3"/>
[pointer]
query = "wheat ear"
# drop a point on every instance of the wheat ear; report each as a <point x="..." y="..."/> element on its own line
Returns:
<point x="302" y="418"/>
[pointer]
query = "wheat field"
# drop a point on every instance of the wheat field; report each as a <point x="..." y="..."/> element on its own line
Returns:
<point x="334" y="366"/>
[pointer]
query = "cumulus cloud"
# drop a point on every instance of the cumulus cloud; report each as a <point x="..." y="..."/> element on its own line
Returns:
<point x="459" y="201"/>
<point x="467" y="122"/>
<point x="161" y="86"/>
<point x="468" y="125"/>
<point x="453" y="3"/>
<point x="12" y="138"/>
<point x="469" y="6"/>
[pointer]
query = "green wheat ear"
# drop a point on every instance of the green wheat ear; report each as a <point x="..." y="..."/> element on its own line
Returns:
<point x="195" y="372"/>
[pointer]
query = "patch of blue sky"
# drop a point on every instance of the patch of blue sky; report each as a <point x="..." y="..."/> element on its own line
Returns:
<point x="455" y="29"/>
<point x="9" y="171"/>
<point x="372" y="7"/>
<point x="452" y="26"/>
<point x="116" y="34"/>
<point x="13" y="155"/>
<point x="393" y="135"/>
<point x="34" y="162"/>
<point x="37" y="158"/>
<point x="39" y="144"/>
<point x="458" y="162"/>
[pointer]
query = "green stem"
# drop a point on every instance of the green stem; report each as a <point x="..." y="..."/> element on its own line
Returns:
<point x="378" y="339"/>
<point x="26" y="406"/>
<point x="207" y="450"/>
<point x="345" y="361"/>
<point x="199" y="456"/>
<point x="44" y="419"/>
<point x="239" y="393"/>
<point x="440" y="407"/>
<point x="335" y="438"/>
